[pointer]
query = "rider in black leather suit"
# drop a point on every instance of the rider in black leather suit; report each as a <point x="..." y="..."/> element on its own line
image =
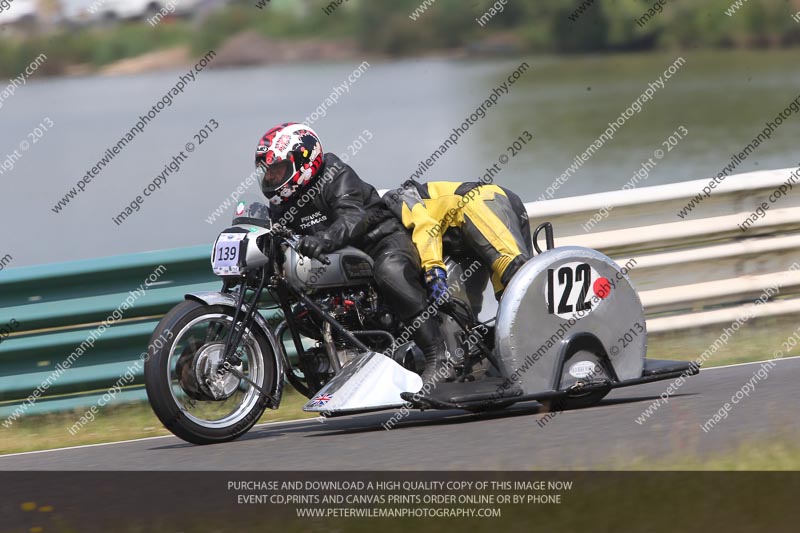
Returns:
<point x="322" y="198"/>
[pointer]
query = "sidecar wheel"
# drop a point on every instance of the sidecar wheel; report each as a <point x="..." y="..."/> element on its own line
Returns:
<point x="490" y="408"/>
<point x="588" y="400"/>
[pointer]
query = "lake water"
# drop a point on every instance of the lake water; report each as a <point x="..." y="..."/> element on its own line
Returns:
<point x="409" y="107"/>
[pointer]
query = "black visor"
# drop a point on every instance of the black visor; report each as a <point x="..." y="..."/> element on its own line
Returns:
<point x="275" y="176"/>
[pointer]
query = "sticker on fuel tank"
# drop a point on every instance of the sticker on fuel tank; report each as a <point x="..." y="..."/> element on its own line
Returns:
<point x="573" y="290"/>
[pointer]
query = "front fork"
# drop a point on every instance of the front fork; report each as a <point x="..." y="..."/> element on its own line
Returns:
<point x="230" y="360"/>
<point x="236" y="332"/>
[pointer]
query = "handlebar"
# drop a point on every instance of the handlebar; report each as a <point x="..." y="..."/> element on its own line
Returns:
<point x="291" y="239"/>
<point x="282" y="231"/>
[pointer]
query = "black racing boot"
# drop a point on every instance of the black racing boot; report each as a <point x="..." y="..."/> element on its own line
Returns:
<point x="437" y="367"/>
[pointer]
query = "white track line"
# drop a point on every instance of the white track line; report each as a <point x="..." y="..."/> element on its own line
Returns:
<point x="751" y="363"/>
<point x="702" y="371"/>
<point x="282" y="422"/>
<point x="298" y="420"/>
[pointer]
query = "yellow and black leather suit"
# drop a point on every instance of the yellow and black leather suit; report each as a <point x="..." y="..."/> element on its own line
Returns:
<point x="465" y="218"/>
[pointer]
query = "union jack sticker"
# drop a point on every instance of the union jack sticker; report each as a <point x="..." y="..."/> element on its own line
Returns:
<point x="321" y="399"/>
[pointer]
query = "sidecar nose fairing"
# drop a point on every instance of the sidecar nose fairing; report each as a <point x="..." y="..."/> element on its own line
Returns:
<point x="369" y="382"/>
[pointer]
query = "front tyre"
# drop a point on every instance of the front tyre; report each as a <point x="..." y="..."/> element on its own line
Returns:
<point x="187" y="393"/>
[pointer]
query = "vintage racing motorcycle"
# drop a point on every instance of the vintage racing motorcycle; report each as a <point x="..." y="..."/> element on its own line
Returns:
<point x="569" y="328"/>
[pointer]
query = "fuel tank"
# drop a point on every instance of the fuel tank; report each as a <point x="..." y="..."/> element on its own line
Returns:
<point x="349" y="267"/>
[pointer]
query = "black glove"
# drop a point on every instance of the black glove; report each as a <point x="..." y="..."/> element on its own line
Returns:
<point x="311" y="246"/>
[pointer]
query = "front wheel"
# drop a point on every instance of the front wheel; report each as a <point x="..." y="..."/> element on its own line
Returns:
<point x="186" y="389"/>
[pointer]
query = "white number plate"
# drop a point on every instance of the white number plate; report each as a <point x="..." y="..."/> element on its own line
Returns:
<point x="574" y="290"/>
<point x="225" y="259"/>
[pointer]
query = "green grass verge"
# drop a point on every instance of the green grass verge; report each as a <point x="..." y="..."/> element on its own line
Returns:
<point x="123" y="422"/>
<point x="774" y="454"/>
<point x="757" y="340"/>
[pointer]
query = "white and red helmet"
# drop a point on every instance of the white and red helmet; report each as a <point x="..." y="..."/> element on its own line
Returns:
<point x="288" y="158"/>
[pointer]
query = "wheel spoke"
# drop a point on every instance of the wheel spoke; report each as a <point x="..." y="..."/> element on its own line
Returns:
<point x="194" y="380"/>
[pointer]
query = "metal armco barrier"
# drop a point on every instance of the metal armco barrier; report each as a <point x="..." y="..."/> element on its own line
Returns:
<point x="58" y="306"/>
<point x="696" y="271"/>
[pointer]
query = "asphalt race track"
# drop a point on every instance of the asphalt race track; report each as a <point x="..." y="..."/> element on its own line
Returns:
<point x="602" y="437"/>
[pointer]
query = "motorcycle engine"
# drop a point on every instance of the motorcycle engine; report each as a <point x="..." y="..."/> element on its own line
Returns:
<point x="356" y="310"/>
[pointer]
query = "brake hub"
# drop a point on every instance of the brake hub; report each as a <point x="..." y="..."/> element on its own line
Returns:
<point x="214" y="379"/>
